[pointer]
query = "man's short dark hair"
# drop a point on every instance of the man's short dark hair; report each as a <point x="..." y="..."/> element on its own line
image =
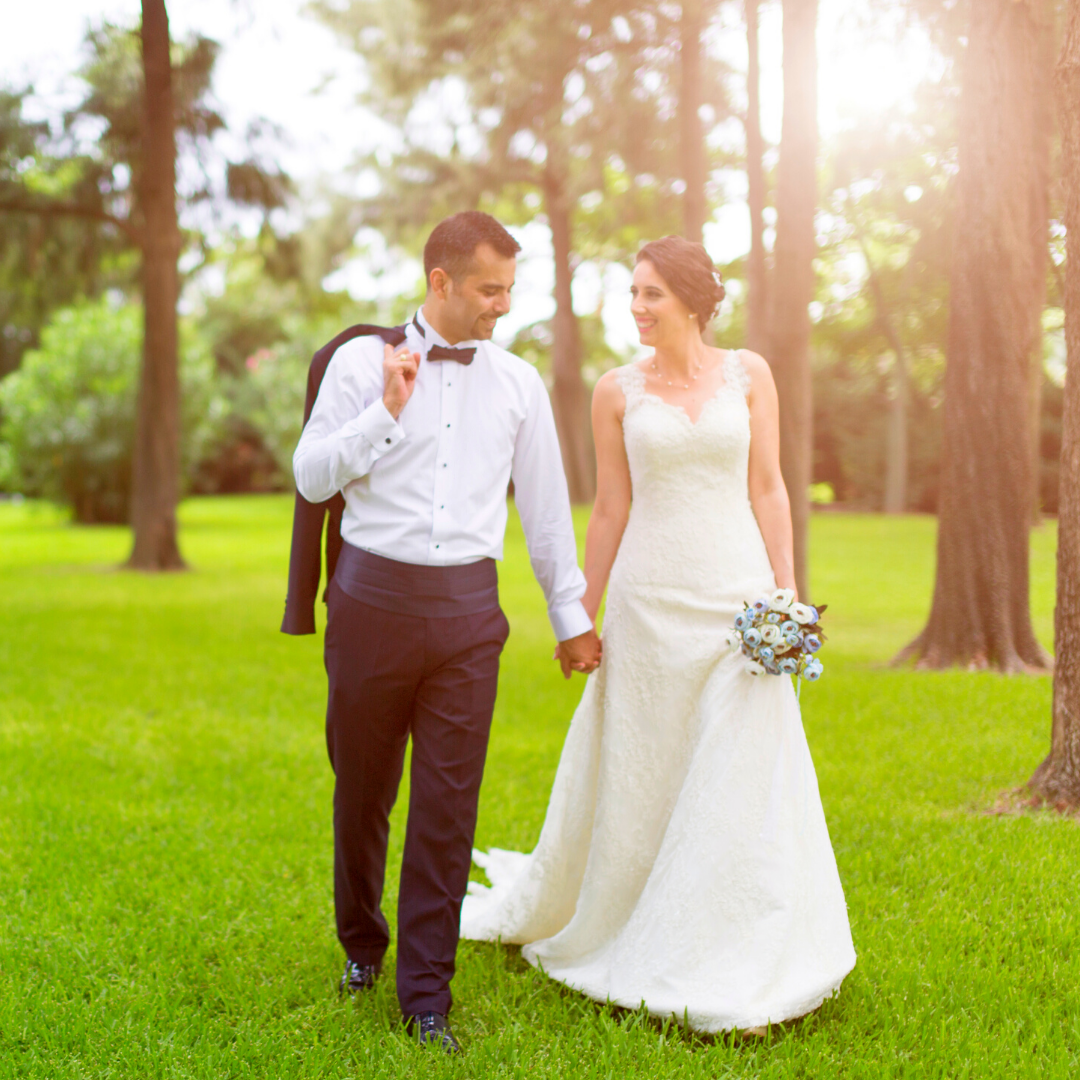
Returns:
<point x="453" y="243"/>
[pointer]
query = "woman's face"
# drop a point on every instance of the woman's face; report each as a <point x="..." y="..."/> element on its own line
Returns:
<point x="661" y="317"/>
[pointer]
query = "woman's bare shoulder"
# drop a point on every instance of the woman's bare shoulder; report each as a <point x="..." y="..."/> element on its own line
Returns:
<point x="757" y="370"/>
<point x="755" y="363"/>
<point x="610" y="390"/>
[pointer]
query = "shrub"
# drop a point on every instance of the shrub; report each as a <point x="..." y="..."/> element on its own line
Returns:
<point x="67" y="415"/>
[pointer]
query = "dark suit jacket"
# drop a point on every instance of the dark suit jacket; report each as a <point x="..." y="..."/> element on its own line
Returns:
<point x="305" y="560"/>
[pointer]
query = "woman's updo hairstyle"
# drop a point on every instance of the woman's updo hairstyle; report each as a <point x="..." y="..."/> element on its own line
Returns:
<point x="689" y="273"/>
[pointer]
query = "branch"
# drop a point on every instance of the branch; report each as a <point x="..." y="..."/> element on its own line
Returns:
<point x="24" y="206"/>
<point x="884" y="313"/>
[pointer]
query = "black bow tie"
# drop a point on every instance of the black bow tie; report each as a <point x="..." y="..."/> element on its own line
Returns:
<point x="444" y="352"/>
<point x="441" y="352"/>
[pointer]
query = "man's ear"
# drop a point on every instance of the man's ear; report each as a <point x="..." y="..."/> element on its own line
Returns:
<point x="439" y="283"/>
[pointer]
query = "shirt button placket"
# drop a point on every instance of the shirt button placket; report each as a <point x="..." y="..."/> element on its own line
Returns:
<point x="441" y="472"/>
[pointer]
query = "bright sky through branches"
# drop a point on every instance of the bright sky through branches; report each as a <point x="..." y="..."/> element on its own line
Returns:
<point x="275" y="59"/>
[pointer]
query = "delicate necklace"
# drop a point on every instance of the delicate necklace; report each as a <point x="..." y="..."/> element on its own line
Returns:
<point x="682" y="386"/>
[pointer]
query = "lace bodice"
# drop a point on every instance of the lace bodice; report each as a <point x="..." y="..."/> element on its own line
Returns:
<point x="691" y="507"/>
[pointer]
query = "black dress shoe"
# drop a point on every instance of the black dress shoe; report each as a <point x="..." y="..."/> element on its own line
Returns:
<point x="358" y="977"/>
<point x="432" y="1029"/>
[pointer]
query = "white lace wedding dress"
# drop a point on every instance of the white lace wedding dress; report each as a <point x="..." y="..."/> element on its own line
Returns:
<point x="684" y="862"/>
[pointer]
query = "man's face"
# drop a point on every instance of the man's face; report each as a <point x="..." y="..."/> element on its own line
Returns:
<point x="471" y="306"/>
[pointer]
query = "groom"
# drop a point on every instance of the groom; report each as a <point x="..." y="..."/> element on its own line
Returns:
<point x="411" y="443"/>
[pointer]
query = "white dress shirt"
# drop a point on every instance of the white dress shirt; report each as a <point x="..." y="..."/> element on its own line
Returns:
<point x="430" y="487"/>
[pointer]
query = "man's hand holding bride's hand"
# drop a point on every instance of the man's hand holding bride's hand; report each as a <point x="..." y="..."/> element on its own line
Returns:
<point x="581" y="653"/>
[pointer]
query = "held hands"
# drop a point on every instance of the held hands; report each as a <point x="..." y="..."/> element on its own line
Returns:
<point x="399" y="377"/>
<point x="581" y="653"/>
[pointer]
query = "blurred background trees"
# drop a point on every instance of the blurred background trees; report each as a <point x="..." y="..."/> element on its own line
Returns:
<point x="597" y="124"/>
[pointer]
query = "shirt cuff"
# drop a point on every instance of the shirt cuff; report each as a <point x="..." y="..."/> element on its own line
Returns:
<point x="379" y="428"/>
<point x="570" y="620"/>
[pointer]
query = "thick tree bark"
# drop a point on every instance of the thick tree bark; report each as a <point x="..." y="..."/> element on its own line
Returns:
<point x="691" y="134"/>
<point x="980" y="615"/>
<point x="793" y="266"/>
<point x="570" y="396"/>
<point x="156" y="477"/>
<point x="757" y="301"/>
<point x="1058" y="777"/>
<point x="1042" y="131"/>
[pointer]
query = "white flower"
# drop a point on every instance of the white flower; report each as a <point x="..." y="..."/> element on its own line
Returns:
<point x="801" y="613"/>
<point x="752" y="667"/>
<point x="732" y="639"/>
<point x="781" y="600"/>
<point x="770" y="634"/>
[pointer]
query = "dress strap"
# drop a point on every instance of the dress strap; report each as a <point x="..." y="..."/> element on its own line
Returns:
<point x="735" y="373"/>
<point x="631" y="380"/>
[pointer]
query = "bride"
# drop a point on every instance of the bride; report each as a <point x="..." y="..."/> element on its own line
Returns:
<point x="684" y="863"/>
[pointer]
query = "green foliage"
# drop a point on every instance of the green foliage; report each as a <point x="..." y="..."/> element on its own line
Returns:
<point x="882" y="277"/>
<point x="535" y="342"/>
<point x="69" y="198"/>
<point x="166" y="803"/>
<point x="68" y="414"/>
<point x="566" y="102"/>
<point x="47" y="260"/>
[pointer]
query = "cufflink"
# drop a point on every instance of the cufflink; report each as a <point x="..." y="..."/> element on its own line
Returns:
<point x="387" y="442"/>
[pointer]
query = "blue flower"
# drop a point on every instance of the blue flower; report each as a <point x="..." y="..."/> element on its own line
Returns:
<point x="746" y="650"/>
<point x="816" y="614"/>
<point x="743" y="621"/>
<point x="761" y="606"/>
<point x="789" y="627"/>
<point x="793" y="638"/>
<point x="812" y="643"/>
<point x="813" y="671"/>
<point x="765" y="655"/>
<point x="772" y="667"/>
<point x="789" y="665"/>
<point x="774" y="617"/>
<point x="752" y="637"/>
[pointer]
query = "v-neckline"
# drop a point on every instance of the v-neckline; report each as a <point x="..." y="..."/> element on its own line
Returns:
<point x="681" y="409"/>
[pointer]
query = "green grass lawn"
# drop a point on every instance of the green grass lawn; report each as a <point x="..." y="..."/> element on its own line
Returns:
<point x="165" y="847"/>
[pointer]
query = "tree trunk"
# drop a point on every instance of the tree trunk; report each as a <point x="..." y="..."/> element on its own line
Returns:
<point x="896" y="438"/>
<point x="979" y="616"/>
<point x="896" y="430"/>
<point x="156" y="474"/>
<point x="1042" y="136"/>
<point x="757" y="301"/>
<point x="1058" y="777"/>
<point x="570" y="396"/>
<point x="692" y="137"/>
<point x="793" y="266"/>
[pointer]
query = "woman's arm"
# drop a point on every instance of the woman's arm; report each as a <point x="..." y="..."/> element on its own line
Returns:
<point x="768" y="496"/>
<point x="612" y="506"/>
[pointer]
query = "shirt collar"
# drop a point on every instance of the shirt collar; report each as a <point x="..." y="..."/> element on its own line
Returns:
<point x="433" y="337"/>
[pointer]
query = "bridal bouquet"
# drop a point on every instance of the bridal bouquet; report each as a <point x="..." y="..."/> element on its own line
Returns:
<point x="779" y="636"/>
